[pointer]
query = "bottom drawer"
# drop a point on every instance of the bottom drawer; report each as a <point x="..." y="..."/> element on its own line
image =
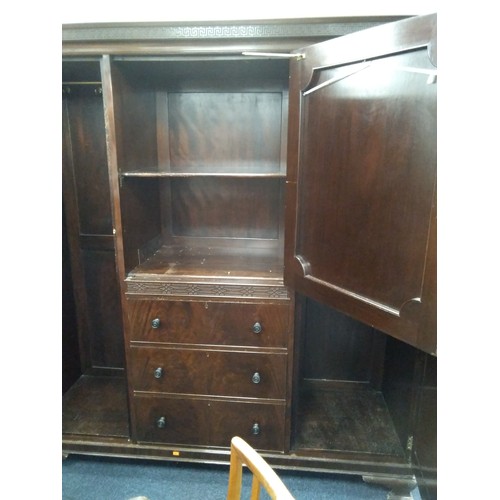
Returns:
<point x="205" y="422"/>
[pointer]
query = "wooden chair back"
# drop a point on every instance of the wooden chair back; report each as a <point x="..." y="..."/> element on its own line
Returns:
<point x="263" y="475"/>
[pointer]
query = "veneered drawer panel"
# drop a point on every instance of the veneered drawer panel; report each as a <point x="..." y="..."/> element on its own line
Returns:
<point x="176" y="421"/>
<point x="193" y="371"/>
<point x="206" y="422"/>
<point x="261" y="425"/>
<point x="218" y="323"/>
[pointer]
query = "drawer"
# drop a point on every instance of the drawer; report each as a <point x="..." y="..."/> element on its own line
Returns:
<point x="208" y="372"/>
<point x="203" y="422"/>
<point x="221" y="323"/>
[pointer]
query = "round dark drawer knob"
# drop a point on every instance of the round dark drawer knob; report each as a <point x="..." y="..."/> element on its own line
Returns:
<point x="158" y="373"/>
<point x="256" y="429"/>
<point x="256" y="378"/>
<point x="155" y="323"/>
<point x="161" y="423"/>
<point x="257" y="327"/>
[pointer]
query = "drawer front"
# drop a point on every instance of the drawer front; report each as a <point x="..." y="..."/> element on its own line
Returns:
<point x="202" y="422"/>
<point x="222" y="373"/>
<point x="261" y="425"/>
<point x="260" y="325"/>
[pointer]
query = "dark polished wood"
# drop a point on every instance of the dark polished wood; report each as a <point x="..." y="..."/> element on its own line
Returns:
<point x="425" y="443"/>
<point x="252" y="137"/>
<point x="401" y="373"/>
<point x="166" y="124"/>
<point x="223" y="37"/>
<point x="399" y="488"/>
<point x="209" y="422"/>
<point x="337" y="347"/>
<point x="239" y="260"/>
<point x="193" y="189"/>
<point x="207" y="371"/>
<point x="88" y="144"/>
<point x="96" y="406"/>
<point x="341" y="404"/>
<point x="362" y="178"/>
<point x="210" y="323"/>
<point x="248" y="208"/>
<point x="105" y="327"/>
<point x="86" y="193"/>
<point x="347" y="420"/>
<point x="410" y="390"/>
<point x="71" y="369"/>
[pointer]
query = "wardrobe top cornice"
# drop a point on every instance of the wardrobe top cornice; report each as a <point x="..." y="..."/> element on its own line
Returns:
<point x="208" y="36"/>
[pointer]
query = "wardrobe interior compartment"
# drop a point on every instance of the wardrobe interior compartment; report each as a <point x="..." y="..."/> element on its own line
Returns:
<point x="201" y="156"/>
<point x="355" y="391"/>
<point x="94" y="400"/>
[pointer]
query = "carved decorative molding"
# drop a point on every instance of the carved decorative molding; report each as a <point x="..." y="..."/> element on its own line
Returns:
<point x="207" y="290"/>
<point x="283" y="29"/>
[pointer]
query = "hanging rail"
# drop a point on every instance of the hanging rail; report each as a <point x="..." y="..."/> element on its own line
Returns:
<point x="278" y="55"/>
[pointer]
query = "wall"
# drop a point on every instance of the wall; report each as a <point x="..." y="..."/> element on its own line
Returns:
<point x="195" y="10"/>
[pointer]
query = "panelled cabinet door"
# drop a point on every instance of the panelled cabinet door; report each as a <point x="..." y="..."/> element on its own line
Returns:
<point x="361" y="182"/>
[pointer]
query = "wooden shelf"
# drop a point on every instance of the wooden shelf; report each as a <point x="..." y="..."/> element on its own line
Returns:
<point x="210" y="273"/>
<point x="207" y="262"/>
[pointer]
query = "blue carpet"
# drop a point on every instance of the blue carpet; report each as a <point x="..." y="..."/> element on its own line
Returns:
<point x="97" y="478"/>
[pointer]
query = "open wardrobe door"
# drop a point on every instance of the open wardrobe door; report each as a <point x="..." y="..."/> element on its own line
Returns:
<point x="361" y="181"/>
